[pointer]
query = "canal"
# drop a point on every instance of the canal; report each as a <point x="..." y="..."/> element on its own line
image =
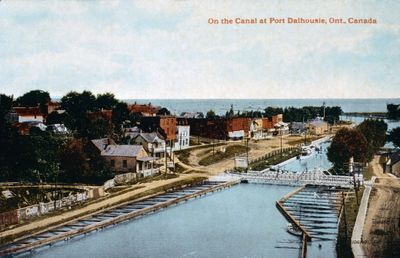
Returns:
<point x="241" y="221"/>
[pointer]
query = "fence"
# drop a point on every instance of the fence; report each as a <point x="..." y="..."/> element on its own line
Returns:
<point x="26" y="213"/>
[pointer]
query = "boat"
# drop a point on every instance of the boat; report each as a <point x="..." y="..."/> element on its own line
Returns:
<point x="305" y="151"/>
<point x="292" y="229"/>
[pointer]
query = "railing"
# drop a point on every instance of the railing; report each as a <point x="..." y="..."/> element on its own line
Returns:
<point x="149" y="172"/>
<point x="316" y="177"/>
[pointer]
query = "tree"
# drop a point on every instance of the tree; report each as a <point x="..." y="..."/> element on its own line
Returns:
<point x="77" y="104"/>
<point x="97" y="127"/>
<point x="73" y="161"/>
<point x="106" y="101"/>
<point x="164" y="111"/>
<point x="120" y="113"/>
<point x="210" y="114"/>
<point x="57" y="118"/>
<point x="33" y="99"/>
<point x="393" y="111"/>
<point x="375" y="133"/>
<point x="347" y="143"/>
<point x="230" y="113"/>
<point x="394" y="136"/>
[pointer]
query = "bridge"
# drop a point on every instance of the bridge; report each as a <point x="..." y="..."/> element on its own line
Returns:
<point x="314" y="177"/>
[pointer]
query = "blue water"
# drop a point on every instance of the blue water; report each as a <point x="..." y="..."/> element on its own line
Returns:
<point x="220" y="106"/>
<point x="315" y="160"/>
<point x="238" y="222"/>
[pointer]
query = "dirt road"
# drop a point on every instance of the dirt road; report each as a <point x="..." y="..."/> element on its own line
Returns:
<point x="381" y="233"/>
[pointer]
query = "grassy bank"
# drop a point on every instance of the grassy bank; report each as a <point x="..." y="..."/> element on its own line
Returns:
<point x="183" y="155"/>
<point x="230" y="152"/>
<point x="274" y="158"/>
<point x="301" y="141"/>
<point x="343" y="244"/>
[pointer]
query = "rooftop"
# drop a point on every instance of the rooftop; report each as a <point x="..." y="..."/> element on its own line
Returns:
<point x="122" y="150"/>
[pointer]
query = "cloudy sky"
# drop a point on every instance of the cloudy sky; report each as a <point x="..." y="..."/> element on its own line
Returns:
<point x="167" y="49"/>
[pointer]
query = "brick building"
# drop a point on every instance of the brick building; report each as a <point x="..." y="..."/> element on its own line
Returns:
<point x="218" y="128"/>
<point x="270" y="122"/>
<point x="144" y="109"/>
<point x="165" y="125"/>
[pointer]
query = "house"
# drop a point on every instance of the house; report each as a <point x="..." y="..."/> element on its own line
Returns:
<point x="297" y="127"/>
<point x="57" y="129"/>
<point x="26" y="127"/>
<point x="318" y="127"/>
<point x="238" y="127"/>
<point x="192" y="115"/>
<point x="144" y="109"/>
<point x="126" y="158"/>
<point x="25" y="114"/>
<point x="269" y="123"/>
<point x="164" y="124"/>
<point x="52" y="106"/>
<point x="104" y="113"/>
<point x="153" y="143"/>
<point x="393" y="164"/>
<point x="182" y="137"/>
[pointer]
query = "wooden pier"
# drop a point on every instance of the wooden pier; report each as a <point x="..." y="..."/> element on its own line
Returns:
<point x="318" y="214"/>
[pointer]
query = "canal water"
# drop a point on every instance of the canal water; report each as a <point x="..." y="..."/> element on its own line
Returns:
<point x="317" y="159"/>
<point x="241" y="221"/>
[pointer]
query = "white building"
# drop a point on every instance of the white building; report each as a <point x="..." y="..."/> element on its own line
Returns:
<point x="182" y="137"/>
<point x="25" y="114"/>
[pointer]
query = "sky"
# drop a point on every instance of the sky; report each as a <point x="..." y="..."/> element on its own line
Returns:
<point x="167" y="49"/>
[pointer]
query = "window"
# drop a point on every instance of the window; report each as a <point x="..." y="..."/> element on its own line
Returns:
<point x="124" y="163"/>
<point x="112" y="163"/>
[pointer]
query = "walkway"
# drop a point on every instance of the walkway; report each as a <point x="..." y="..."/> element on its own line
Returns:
<point x="356" y="238"/>
<point x="316" y="177"/>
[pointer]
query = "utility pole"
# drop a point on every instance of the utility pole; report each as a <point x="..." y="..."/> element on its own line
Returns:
<point x="165" y="156"/>
<point x="344" y="214"/>
<point x="247" y="153"/>
<point x="281" y="139"/>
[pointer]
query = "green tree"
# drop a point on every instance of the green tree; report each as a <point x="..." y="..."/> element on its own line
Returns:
<point x="120" y="114"/>
<point x="99" y="127"/>
<point x="164" y="111"/>
<point x="57" y="118"/>
<point x="394" y="136"/>
<point x="210" y="114"/>
<point x="345" y="144"/>
<point x="106" y="101"/>
<point x="73" y="161"/>
<point x="230" y="113"/>
<point x="77" y="105"/>
<point x="393" y="111"/>
<point x="375" y="133"/>
<point x="34" y="98"/>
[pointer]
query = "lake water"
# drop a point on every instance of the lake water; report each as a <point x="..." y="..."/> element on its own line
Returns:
<point x="220" y="106"/>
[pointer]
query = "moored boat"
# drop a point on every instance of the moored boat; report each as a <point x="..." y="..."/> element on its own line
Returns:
<point x="292" y="229"/>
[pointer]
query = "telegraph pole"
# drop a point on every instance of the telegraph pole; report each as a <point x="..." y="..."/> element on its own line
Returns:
<point x="247" y="153"/>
